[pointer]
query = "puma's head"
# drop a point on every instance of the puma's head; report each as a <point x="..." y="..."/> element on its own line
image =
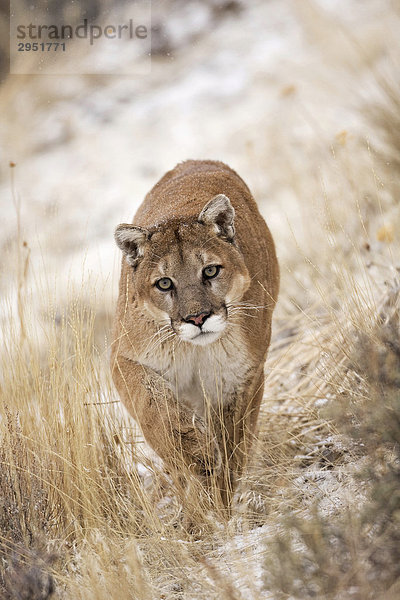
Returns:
<point x="187" y="273"/>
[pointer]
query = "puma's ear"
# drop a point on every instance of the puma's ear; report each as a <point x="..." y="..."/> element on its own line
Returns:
<point x="220" y="212"/>
<point x="131" y="240"/>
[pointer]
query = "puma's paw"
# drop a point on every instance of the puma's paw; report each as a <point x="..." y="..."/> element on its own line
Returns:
<point x="201" y="448"/>
<point x="206" y="451"/>
<point x="211" y="464"/>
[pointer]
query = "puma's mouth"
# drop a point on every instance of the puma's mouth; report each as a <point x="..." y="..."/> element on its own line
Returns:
<point x="210" y="331"/>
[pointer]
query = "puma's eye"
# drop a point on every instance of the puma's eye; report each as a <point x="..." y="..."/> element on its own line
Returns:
<point x="211" y="271"/>
<point x="164" y="284"/>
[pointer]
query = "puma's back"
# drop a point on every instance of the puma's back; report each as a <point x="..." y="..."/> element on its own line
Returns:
<point x="183" y="192"/>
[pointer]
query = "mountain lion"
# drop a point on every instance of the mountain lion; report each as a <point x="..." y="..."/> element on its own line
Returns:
<point x="198" y="286"/>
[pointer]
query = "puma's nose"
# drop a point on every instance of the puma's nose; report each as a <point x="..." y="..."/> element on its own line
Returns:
<point x="197" y="319"/>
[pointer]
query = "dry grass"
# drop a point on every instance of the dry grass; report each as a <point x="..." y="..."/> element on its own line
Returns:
<point x="352" y="550"/>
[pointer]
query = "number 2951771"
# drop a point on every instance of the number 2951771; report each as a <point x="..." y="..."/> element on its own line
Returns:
<point x="41" y="46"/>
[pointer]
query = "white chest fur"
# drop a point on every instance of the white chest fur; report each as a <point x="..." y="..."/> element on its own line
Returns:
<point x="208" y="374"/>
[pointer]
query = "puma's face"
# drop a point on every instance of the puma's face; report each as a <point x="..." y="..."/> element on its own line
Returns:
<point x="193" y="281"/>
<point x="187" y="274"/>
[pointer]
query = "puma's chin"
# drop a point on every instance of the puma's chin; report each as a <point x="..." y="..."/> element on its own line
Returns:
<point x="204" y="338"/>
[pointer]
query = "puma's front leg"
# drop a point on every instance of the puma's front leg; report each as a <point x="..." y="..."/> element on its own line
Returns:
<point x="237" y="434"/>
<point x="170" y="428"/>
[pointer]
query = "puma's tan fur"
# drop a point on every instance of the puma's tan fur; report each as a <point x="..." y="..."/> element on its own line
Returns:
<point x="188" y="362"/>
